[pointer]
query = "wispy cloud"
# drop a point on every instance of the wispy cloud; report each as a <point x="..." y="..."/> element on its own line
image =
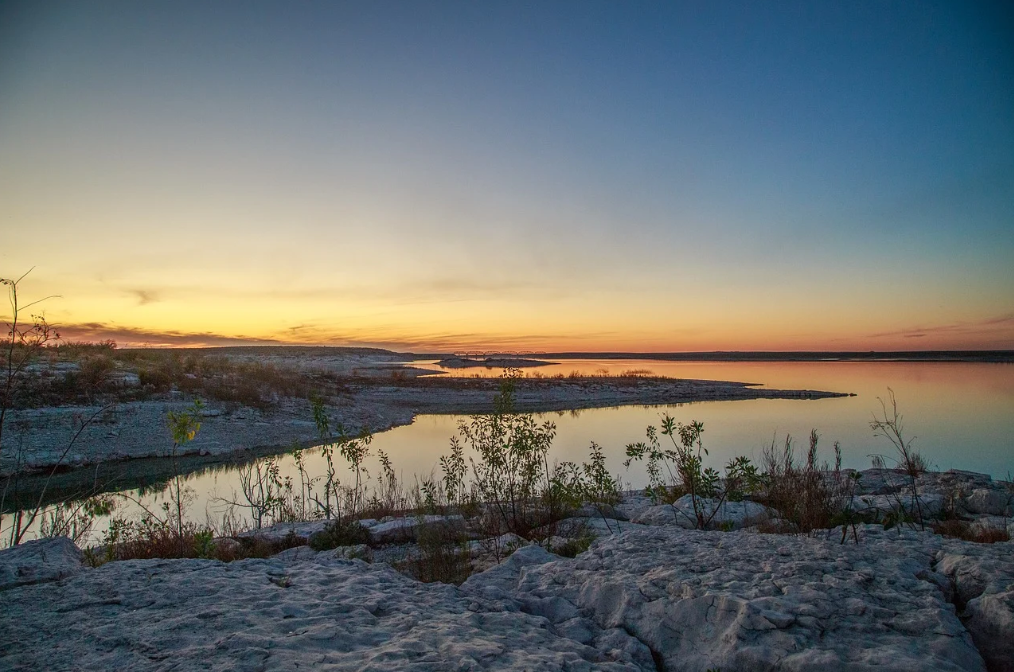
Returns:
<point x="134" y="336"/>
<point x="962" y="328"/>
<point x="145" y="296"/>
<point x="309" y="334"/>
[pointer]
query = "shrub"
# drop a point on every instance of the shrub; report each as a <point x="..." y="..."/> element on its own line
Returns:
<point x="512" y="476"/>
<point x="338" y="533"/>
<point x="341" y="502"/>
<point x="443" y="555"/>
<point x="811" y="496"/>
<point x="685" y="472"/>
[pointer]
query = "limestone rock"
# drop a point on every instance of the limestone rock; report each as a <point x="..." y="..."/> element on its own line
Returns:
<point x="356" y="552"/>
<point x="39" y="561"/>
<point x="303" y="531"/>
<point x="989" y="501"/>
<point x="879" y="505"/>
<point x="991" y="623"/>
<point x="983" y="579"/>
<point x="400" y="530"/>
<point x="270" y="614"/>
<point x="296" y="554"/>
<point x="743" y="601"/>
<point x="729" y="515"/>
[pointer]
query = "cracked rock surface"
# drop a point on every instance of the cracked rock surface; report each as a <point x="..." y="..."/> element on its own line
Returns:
<point x="740" y="601"/>
<point x="266" y="614"/>
<point x="646" y="598"/>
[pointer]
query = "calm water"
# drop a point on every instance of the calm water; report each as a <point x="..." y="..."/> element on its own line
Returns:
<point x="962" y="416"/>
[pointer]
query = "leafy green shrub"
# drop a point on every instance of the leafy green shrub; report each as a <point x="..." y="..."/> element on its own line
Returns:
<point x="512" y="475"/>
<point x="684" y="470"/>
<point x="343" y="503"/>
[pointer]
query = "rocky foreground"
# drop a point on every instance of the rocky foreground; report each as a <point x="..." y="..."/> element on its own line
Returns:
<point x="647" y="595"/>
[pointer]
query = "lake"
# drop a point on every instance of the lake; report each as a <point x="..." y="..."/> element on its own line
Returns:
<point x="959" y="415"/>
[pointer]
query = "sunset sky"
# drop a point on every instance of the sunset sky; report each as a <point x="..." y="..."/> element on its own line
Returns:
<point x="437" y="176"/>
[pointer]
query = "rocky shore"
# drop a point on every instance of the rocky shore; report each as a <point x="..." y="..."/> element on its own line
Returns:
<point x="647" y="595"/>
<point x="37" y="439"/>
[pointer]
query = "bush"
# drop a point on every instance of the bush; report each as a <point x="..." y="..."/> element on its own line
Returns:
<point x="684" y="471"/>
<point x="443" y="555"/>
<point x="512" y="476"/>
<point x="811" y="496"/>
<point x="337" y="533"/>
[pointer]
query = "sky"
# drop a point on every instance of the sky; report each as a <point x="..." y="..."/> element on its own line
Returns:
<point x="543" y="176"/>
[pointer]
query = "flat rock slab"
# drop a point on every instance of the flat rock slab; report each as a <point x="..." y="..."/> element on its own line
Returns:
<point x="644" y="598"/>
<point x="39" y="561"/>
<point x="741" y="601"/>
<point x="264" y="614"/>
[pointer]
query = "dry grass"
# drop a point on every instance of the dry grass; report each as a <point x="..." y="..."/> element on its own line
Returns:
<point x="810" y="496"/>
<point x="74" y="373"/>
<point x="145" y="542"/>
<point x="962" y="529"/>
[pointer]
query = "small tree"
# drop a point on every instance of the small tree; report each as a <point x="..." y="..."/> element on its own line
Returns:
<point x="597" y="486"/>
<point x="264" y="489"/>
<point x="22" y="345"/>
<point x="183" y="425"/>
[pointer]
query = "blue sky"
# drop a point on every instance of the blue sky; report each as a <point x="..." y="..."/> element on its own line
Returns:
<point x="658" y="176"/>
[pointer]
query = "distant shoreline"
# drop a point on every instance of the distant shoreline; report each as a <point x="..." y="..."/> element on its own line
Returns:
<point x="986" y="356"/>
<point x="491" y="362"/>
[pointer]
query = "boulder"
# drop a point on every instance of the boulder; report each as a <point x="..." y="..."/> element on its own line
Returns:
<point x="400" y="530"/>
<point x="601" y="511"/>
<point x="356" y="552"/>
<point x="990" y="620"/>
<point x="983" y="580"/>
<point x="295" y="554"/>
<point x="39" y="561"/>
<point x="989" y="501"/>
<point x="880" y="505"/>
<point x="303" y="531"/>
<point x="728" y="516"/>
